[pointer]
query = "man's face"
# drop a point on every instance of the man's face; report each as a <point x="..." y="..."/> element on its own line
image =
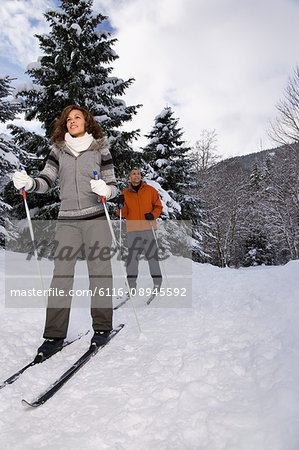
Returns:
<point x="135" y="177"/>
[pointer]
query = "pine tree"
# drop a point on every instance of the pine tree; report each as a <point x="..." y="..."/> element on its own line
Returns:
<point x="8" y="107"/>
<point x="255" y="241"/>
<point x="75" y="69"/>
<point x="9" y="153"/>
<point x="169" y="165"/>
<point x="167" y="153"/>
<point x="255" y="177"/>
<point x="8" y="110"/>
<point x="258" y="250"/>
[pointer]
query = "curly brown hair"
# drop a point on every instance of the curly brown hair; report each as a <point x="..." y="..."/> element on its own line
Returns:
<point x="91" y="126"/>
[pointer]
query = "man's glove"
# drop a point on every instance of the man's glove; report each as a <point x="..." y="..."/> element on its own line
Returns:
<point x="22" y="180"/>
<point x="149" y="216"/>
<point x="121" y="200"/>
<point x="99" y="187"/>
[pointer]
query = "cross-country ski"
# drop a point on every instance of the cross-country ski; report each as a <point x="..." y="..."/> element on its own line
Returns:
<point x="36" y="360"/>
<point x="121" y="301"/>
<point x="92" y="351"/>
<point x="151" y="298"/>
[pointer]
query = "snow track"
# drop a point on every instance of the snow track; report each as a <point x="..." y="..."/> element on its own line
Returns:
<point x="220" y="375"/>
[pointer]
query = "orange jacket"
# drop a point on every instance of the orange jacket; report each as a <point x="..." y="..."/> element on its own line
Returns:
<point x="145" y="200"/>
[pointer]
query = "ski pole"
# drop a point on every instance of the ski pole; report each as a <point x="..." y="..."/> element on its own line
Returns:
<point x="19" y="168"/>
<point x="120" y="240"/>
<point x="96" y="175"/>
<point x="158" y="248"/>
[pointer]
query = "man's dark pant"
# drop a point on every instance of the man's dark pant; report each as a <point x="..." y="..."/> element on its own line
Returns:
<point x="142" y="242"/>
<point x="91" y="240"/>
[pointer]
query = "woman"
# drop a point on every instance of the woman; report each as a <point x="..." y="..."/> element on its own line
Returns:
<point x="79" y="148"/>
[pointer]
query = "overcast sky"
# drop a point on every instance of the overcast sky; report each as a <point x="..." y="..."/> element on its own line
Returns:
<point x="220" y="64"/>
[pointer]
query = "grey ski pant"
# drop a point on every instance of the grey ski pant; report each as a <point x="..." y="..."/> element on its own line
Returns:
<point x="84" y="239"/>
<point x="142" y="242"/>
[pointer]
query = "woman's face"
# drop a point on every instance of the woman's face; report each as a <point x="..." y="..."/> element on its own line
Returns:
<point x="75" y="123"/>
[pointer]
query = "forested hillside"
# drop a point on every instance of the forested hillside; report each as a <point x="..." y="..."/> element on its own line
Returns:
<point x="252" y="202"/>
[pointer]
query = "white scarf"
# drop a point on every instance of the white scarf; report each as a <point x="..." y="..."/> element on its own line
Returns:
<point x="78" y="144"/>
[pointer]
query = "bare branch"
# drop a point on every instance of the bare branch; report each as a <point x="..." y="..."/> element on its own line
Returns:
<point x="285" y="128"/>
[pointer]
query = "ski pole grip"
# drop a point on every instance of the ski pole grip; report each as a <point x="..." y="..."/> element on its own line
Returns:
<point x="19" y="167"/>
<point x="96" y="176"/>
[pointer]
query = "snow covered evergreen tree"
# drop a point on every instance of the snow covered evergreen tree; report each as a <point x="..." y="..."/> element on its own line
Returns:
<point x="8" y="107"/>
<point x="169" y="164"/>
<point x="255" y="240"/>
<point x="258" y="250"/>
<point x="167" y="153"/>
<point x="75" y="69"/>
<point x="9" y="153"/>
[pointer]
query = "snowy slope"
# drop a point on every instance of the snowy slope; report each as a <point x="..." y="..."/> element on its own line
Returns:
<point x="220" y="375"/>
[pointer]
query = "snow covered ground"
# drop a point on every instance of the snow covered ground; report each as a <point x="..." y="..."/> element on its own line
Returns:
<point x="221" y="374"/>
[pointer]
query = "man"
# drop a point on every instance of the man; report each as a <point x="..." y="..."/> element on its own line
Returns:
<point x="141" y="206"/>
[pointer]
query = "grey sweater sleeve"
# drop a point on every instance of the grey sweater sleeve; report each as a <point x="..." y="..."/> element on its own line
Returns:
<point x="107" y="170"/>
<point x="46" y="179"/>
